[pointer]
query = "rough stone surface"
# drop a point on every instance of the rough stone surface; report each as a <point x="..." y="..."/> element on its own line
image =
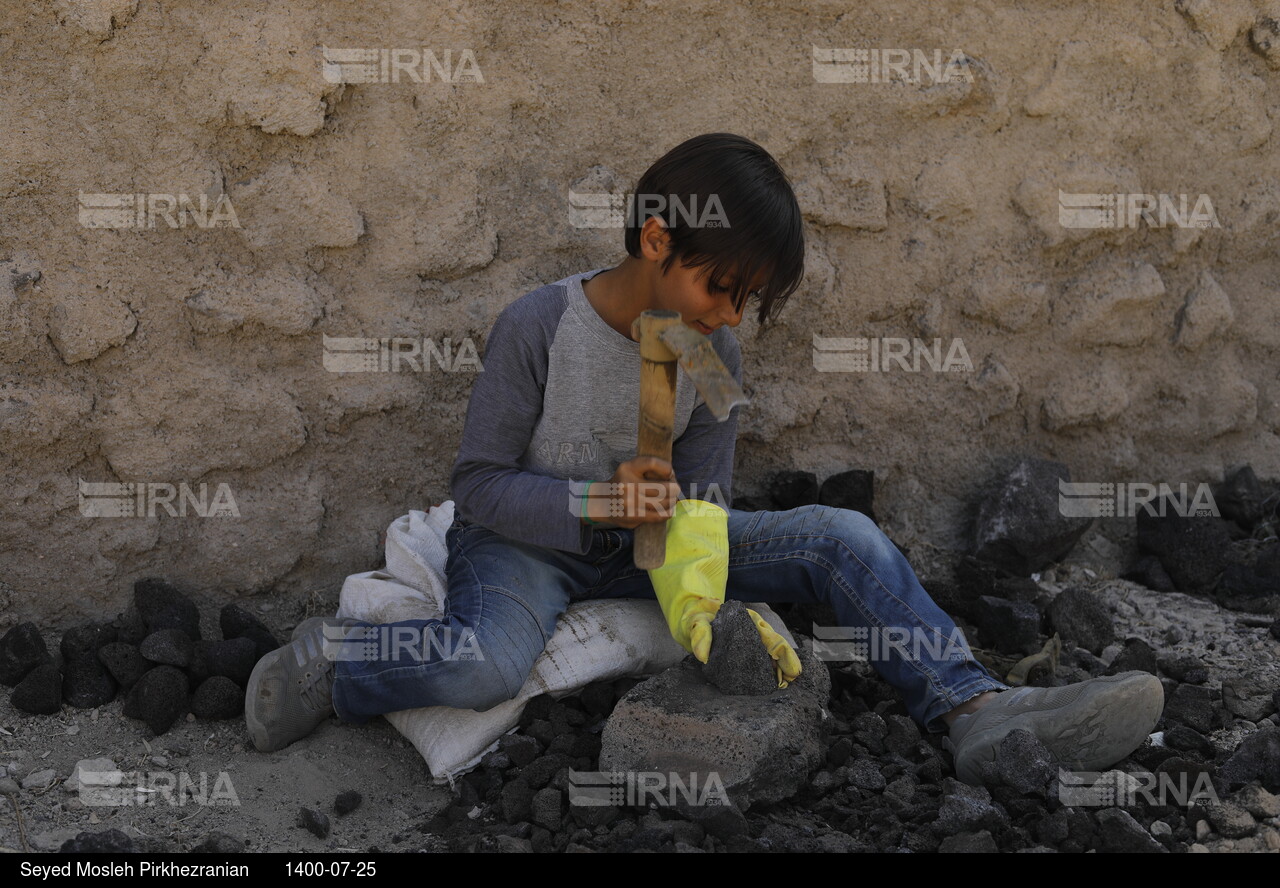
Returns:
<point x="980" y="842"/>
<point x="171" y="647"/>
<point x="21" y="649"/>
<point x="1022" y="763"/>
<point x="1080" y="617"/>
<point x="87" y="771"/>
<point x="159" y="698"/>
<point x="1256" y="758"/>
<point x="854" y="489"/>
<point x="314" y="822"/>
<point x="40" y="693"/>
<point x="87" y="683"/>
<point x="966" y="809"/>
<point x="233" y="659"/>
<point x="236" y="622"/>
<point x="1183" y="667"/>
<point x="762" y="748"/>
<point x="1011" y="626"/>
<point x="1136" y="656"/>
<point x="1248" y="695"/>
<point x="546" y="808"/>
<point x="346" y="802"/>
<point x="1191" y="549"/>
<point x="521" y="748"/>
<point x="218" y="698"/>
<point x="111" y="841"/>
<point x="125" y="663"/>
<point x="738" y="663"/>
<point x="790" y="490"/>
<point x="1240" y="497"/>
<point x="1257" y="801"/>
<point x="1121" y="833"/>
<point x="83" y="642"/>
<point x="1193" y="706"/>
<point x="162" y="606"/>
<point x="1230" y="820"/>
<point x="1019" y="525"/>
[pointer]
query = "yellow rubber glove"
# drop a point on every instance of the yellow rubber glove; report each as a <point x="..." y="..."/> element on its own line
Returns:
<point x="785" y="661"/>
<point x="690" y="585"/>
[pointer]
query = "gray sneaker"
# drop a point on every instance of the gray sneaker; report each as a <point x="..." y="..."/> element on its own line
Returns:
<point x="1087" y="726"/>
<point x="290" y="692"/>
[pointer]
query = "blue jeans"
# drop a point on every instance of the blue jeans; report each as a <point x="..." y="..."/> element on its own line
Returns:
<point x="505" y="596"/>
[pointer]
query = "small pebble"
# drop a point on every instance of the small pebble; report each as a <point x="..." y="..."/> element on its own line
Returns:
<point x="314" y="822"/>
<point x="346" y="802"/>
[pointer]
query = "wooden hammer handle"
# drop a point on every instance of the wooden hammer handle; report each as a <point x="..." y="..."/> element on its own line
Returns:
<point x="657" y="420"/>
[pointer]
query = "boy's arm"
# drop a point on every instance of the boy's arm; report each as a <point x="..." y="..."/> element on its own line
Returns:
<point x="487" y="483"/>
<point x="703" y="456"/>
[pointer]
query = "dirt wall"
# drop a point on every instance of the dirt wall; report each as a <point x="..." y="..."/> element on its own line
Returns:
<point x="195" y="354"/>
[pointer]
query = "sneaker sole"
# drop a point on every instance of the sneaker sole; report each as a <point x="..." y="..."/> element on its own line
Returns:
<point x="1109" y="720"/>
<point x="253" y="689"/>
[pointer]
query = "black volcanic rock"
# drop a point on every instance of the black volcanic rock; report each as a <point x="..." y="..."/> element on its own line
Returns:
<point x="1019" y="524"/>
<point x="159" y="698"/>
<point x="236" y="622"/>
<point x="22" y="649"/>
<point x="40" y="692"/>
<point x="853" y="490"/>
<point x="162" y="606"/>
<point x="87" y="683"/>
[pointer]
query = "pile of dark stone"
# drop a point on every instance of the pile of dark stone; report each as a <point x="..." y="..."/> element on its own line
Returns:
<point x="153" y="654"/>
<point x="1233" y="557"/>
<point x="884" y="786"/>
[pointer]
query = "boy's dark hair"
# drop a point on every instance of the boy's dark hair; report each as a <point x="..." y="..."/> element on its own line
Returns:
<point x="759" y="226"/>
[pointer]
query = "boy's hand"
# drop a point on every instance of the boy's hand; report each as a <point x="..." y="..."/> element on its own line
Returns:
<point x="643" y="490"/>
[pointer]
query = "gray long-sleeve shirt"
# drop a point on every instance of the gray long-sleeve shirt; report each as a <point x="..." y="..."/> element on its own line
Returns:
<point x="558" y="402"/>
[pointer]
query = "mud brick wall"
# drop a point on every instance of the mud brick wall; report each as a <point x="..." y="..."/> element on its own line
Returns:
<point x="194" y="355"/>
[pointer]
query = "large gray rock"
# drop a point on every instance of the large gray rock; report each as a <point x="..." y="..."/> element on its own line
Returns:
<point x="1019" y="525"/>
<point x="761" y="748"/>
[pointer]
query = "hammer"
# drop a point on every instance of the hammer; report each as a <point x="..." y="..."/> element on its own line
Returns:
<point x="664" y="342"/>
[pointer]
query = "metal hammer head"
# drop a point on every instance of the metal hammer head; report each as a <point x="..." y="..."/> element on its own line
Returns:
<point x="710" y="376"/>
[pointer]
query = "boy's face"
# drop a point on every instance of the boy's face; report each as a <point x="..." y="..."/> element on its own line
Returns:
<point x="702" y="304"/>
